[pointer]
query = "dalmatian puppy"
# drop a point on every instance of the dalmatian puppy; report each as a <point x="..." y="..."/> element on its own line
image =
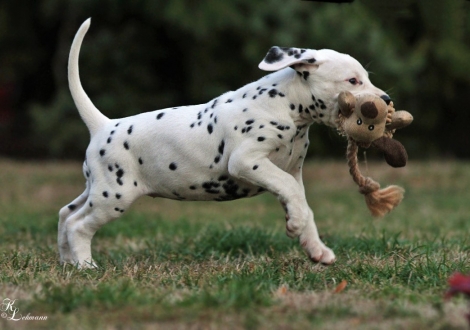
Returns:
<point x="238" y="145"/>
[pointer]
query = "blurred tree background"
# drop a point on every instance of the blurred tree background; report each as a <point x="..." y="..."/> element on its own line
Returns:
<point x="142" y="55"/>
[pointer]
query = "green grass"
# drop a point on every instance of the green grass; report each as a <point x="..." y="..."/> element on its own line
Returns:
<point x="173" y="265"/>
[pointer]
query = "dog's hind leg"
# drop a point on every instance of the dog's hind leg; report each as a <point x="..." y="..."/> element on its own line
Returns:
<point x="64" y="213"/>
<point x="99" y="208"/>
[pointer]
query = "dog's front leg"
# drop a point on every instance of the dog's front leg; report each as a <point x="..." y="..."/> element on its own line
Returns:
<point x="250" y="162"/>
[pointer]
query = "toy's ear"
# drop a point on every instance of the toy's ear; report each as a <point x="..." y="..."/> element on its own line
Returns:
<point x="394" y="152"/>
<point x="400" y="119"/>
<point x="279" y="58"/>
<point x="347" y="103"/>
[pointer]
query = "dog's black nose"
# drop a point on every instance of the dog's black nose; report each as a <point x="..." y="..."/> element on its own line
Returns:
<point x="386" y="98"/>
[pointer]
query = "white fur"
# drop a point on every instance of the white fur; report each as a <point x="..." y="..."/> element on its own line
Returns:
<point x="238" y="145"/>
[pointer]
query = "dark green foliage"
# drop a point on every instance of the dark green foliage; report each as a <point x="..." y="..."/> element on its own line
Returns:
<point x="150" y="54"/>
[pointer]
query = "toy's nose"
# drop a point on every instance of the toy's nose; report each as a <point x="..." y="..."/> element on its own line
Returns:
<point x="386" y="98"/>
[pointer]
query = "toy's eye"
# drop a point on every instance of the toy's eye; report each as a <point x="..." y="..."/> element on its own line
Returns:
<point x="353" y="81"/>
<point x="359" y="121"/>
<point x="371" y="127"/>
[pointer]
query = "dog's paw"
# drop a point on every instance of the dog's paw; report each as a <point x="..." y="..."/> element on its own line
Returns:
<point x="87" y="264"/>
<point x="318" y="252"/>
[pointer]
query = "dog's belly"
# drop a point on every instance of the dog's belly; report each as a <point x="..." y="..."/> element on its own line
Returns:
<point x="221" y="188"/>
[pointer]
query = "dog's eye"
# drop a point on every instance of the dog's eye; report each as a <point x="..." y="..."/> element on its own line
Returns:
<point x="359" y="121"/>
<point x="353" y="81"/>
<point x="371" y="127"/>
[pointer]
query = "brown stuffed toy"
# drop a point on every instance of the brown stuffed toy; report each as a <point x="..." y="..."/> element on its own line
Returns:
<point x="367" y="121"/>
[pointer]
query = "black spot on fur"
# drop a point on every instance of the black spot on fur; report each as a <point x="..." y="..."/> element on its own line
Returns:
<point x="255" y="167"/>
<point x="91" y="204"/>
<point x="312" y="60"/>
<point x="223" y="177"/>
<point x="110" y="168"/>
<point x="112" y="132"/>
<point x="116" y="209"/>
<point x="102" y="152"/>
<point x="217" y="159"/>
<point x="300" y="108"/>
<point x="109" y="140"/>
<point x="280" y="127"/>
<point x="274" y="55"/>
<point x="116" y="125"/>
<point x="129" y="130"/>
<point x="229" y="100"/>
<point x="244" y="95"/>
<point x="72" y="207"/>
<point x="126" y="145"/>
<point x="118" y="196"/>
<point x="274" y="123"/>
<point x="305" y="74"/>
<point x="192" y="125"/>
<point x="215" y="120"/>
<point x="199" y="115"/>
<point x="135" y="183"/>
<point x="210" y="129"/>
<point x="323" y="107"/>
<point x="105" y="194"/>
<point x="261" y="138"/>
<point x="120" y="173"/>
<point x="254" y="97"/>
<point x="160" y="115"/>
<point x="192" y="187"/>
<point x="235" y="128"/>
<point x="249" y="128"/>
<point x="140" y="161"/>
<point x="279" y="136"/>
<point x="173" y="166"/>
<point x="119" y="181"/>
<point x="313" y="97"/>
<point x="221" y="147"/>
<point x="281" y="94"/>
<point x="272" y="92"/>
<point x="292" y="106"/>
<point x="261" y="126"/>
<point x="249" y="122"/>
<point x="214" y="104"/>
<point x="244" y="110"/>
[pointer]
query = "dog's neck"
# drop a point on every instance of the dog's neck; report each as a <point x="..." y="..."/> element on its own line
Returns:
<point x="305" y="103"/>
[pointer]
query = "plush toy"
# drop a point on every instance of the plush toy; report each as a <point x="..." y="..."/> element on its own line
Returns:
<point x="366" y="120"/>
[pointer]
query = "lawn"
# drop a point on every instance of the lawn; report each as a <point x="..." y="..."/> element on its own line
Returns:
<point x="200" y="265"/>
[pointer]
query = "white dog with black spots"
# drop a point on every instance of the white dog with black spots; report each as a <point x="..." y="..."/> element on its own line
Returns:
<point x="238" y="145"/>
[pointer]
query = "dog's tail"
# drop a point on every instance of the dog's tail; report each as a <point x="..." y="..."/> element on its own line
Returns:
<point x="92" y="117"/>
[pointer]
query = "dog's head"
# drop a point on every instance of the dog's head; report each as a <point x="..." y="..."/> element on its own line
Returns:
<point x="326" y="71"/>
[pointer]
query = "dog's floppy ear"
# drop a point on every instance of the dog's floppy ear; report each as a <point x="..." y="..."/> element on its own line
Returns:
<point x="394" y="152"/>
<point x="347" y="103"/>
<point x="279" y="58"/>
